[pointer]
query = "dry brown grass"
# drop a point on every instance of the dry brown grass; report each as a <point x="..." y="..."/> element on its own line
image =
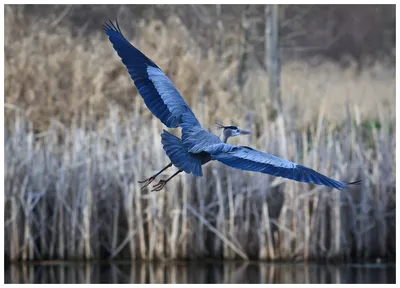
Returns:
<point x="71" y="191"/>
<point x="53" y="75"/>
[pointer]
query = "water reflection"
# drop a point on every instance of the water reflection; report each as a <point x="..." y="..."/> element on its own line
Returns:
<point x="198" y="272"/>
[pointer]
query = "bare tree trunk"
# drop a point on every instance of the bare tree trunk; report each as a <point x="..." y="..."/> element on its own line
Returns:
<point x="244" y="39"/>
<point x="272" y="55"/>
<point x="220" y="30"/>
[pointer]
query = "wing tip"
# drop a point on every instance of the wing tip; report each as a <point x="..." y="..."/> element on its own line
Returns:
<point x="348" y="185"/>
<point x="352" y="184"/>
<point x="357" y="182"/>
<point x="110" y="26"/>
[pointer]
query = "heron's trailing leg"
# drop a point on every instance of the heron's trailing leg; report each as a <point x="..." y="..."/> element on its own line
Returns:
<point x="151" y="179"/>
<point x="160" y="185"/>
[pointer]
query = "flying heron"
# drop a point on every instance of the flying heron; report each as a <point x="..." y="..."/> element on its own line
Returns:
<point x="198" y="146"/>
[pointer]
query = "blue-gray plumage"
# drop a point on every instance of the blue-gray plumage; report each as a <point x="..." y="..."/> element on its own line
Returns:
<point x="157" y="90"/>
<point x="197" y="145"/>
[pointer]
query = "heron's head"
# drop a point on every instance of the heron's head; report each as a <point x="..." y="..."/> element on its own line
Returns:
<point x="231" y="131"/>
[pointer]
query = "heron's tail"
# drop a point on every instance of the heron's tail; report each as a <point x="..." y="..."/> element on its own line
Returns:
<point x="179" y="155"/>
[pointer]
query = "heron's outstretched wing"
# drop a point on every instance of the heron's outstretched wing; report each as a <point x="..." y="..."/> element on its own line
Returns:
<point x="246" y="158"/>
<point x="157" y="90"/>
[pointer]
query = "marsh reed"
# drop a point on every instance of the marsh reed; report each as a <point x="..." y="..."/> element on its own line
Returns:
<point x="72" y="193"/>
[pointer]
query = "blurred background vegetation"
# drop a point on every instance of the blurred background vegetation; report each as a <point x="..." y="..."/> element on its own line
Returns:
<point x="214" y="51"/>
<point x="78" y="134"/>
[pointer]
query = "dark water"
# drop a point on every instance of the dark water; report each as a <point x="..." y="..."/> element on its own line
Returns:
<point x="198" y="272"/>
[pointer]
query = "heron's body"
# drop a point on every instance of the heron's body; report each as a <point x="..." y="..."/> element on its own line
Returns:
<point x="178" y="151"/>
<point x="197" y="146"/>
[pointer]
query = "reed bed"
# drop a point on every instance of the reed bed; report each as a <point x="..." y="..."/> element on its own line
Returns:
<point x="72" y="193"/>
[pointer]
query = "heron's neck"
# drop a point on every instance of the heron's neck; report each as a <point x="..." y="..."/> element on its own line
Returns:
<point x="227" y="134"/>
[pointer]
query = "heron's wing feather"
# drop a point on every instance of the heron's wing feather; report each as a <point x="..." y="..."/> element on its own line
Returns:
<point x="246" y="158"/>
<point x="159" y="93"/>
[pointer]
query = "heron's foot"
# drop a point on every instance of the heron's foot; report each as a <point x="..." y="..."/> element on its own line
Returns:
<point x="146" y="182"/>
<point x="159" y="186"/>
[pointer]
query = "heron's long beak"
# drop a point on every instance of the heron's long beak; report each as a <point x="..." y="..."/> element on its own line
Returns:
<point x="244" y="132"/>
